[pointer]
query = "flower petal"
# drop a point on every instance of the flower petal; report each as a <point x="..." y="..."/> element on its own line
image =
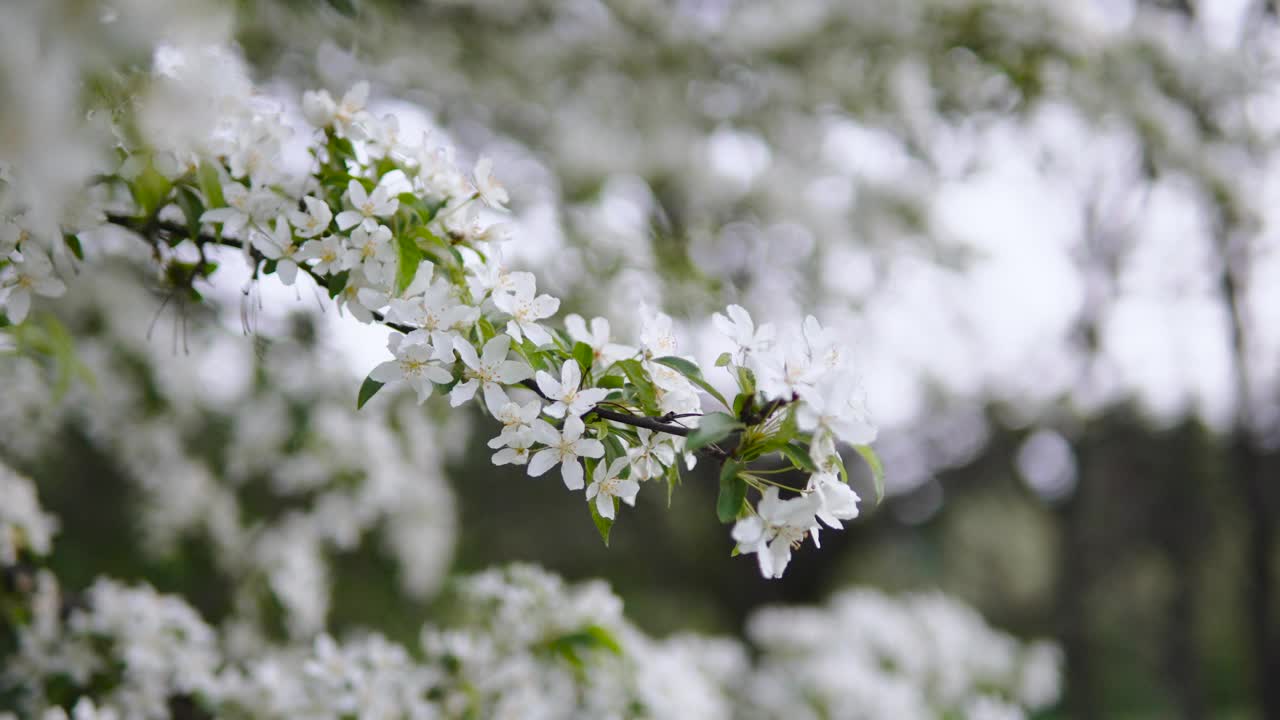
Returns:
<point x="571" y="471"/>
<point x="542" y="461"/>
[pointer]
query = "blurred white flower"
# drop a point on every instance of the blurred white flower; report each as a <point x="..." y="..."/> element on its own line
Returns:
<point x="27" y="275"/>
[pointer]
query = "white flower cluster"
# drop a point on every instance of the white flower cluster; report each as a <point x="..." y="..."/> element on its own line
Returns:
<point x="810" y="369"/>
<point x="867" y="655"/>
<point x="341" y="479"/>
<point x="397" y="233"/>
<point x="159" y="647"/>
<point x="526" y="646"/>
<point x="23" y="525"/>
<point x="516" y="642"/>
<point x="25" y="271"/>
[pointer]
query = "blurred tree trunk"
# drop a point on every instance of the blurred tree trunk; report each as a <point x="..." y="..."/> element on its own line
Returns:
<point x="1184" y="532"/>
<point x="1075" y="582"/>
<point x="1246" y="468"/>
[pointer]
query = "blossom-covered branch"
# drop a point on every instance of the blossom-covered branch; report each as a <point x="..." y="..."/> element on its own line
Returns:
<point x="395" y="232"/>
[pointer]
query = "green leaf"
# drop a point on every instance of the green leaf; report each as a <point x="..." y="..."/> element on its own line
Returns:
<point x="877" y="469"/>
<point x="603" y="524"/>
<point x="724" y="359"/>
<point x="192" y="209"/>
<point x="691" y="371"/>
<point x="613" y="446"/>
<point x="733" y="492"/>
<point x="799" y="457"/>
<point x="349" y="8"/>
<point x="713" y="428"/>
<point x="368" y="389"/>
<point x="210" y="185"/>
<point x="337" y="283"/>
<point x="583" y="353"/>
<point x="149" y="189"/>
<point x="747" y="382"/>
<point x="673" y="479"/>
<point x="73" y="244"/>
<point x="604" y="639"/>
<point x="408" y="257"/>
<point x="645" y="391"/>
<point x="572" y="645"/>
<point x="611" y="381"/>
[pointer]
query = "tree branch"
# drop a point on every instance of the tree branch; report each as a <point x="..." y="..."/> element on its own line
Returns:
<point x="663" y="424"/>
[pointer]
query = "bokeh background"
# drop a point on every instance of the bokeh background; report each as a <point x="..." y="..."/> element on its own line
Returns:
<point x="1049" y="231"/>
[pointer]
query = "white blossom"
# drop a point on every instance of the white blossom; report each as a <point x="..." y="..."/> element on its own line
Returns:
<point x="774" y="529"/>
<point x="278" y="245"/>
<point x="564" y="447"/>
<point x="314" y="220"/>
<point x="23" y="524"/>
<point x="836" y="500"/>
<point x="244" y="206"/>
<point x="515" y="447"/>
<point x="657" y="337"/>
<point x="413" y="365"/>
<point x="27" y="275"/>
<point x="739" y="328"/>
<point x="526" y="310"/>
<point x="328" y="252"/>
<point x="652" y="456"/>
<point x="372" y="251"/>
<point x="606" y="485"/>
<point x="366" y="207"/>
<point x="836" y="404"/>
<point x="603" y="350"/>
<point x="488" y="371"/>
<point x="488" y="187"/>
<point x="515" y="418"/>
<point x="566" y="394"/>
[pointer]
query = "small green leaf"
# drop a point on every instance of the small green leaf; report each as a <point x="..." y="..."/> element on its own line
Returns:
<point x="673" y="479"/>
<point x="73" y="244"/>
<point x="583" y="353"/>
<point x="408" y="257"/>
<point x="603" y="524"/>
<point x="210" y="185"/>
<point x="713" y="428"/>
<point x="612" y="382"/>
<point x="192" y="209"/>
<point x="799" y="457"/>
<point x="150" y="189"/>
<point x="724" y="359"/>
<point x="877" y="469"/>
<point x="337" y="283"/>
<point x="747" y="382"/>
<point x="604" y="639"/>
<point x="368" y="389"/>
<point x="572" y="645"/>
<point x="349" y="8"/>
<point x="733" y="492"/>
<point x="691" y="371"/>
<point x="613" y="446"/>
<point x="645" y="391"/>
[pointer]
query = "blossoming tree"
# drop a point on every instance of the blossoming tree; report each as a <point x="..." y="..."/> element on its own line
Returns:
<point x="395" y="232"/>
